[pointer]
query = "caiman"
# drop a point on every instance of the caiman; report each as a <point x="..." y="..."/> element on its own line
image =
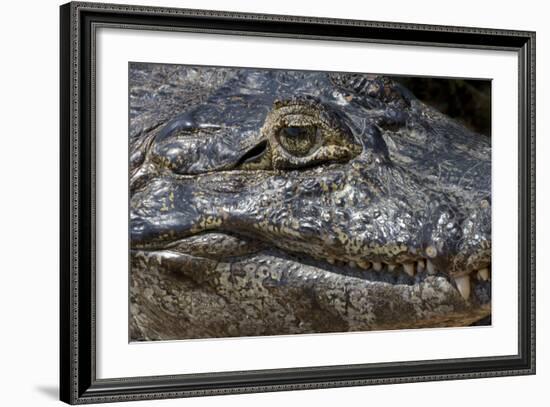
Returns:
<point x="270" y="202"/>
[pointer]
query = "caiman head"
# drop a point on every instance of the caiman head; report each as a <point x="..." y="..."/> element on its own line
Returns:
<point x="295" y="202"/>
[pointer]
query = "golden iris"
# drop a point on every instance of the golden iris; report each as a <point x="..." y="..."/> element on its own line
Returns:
<point x="298" y="140"/>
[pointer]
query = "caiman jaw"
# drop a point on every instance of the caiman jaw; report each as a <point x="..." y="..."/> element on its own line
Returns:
<point x="221" y="247"/>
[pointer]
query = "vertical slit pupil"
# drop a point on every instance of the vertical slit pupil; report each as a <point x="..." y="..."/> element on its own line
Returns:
<point x="298" y="140"/>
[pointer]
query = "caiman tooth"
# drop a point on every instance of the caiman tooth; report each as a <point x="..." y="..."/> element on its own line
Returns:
<point x="420" y="266"/>
<point x="331" y="260"/>
<point x="430" y="267"/>
<point x="352" y="264"/>
<point x="409" y="269"/>
<point x="391" y="267"/>
<point x="463" y="285"/>
<point x="483" y="274"/>
<point x="377" y="266"/>
<point x="364" y="264"/>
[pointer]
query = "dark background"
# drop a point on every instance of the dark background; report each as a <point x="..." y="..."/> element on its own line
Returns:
<point x="466" y="100"/>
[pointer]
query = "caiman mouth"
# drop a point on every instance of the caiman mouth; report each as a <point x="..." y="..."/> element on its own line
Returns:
<point x="215" y="247"/>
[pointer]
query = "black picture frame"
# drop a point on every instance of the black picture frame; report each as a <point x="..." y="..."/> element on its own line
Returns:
<point x="78" y="382"/>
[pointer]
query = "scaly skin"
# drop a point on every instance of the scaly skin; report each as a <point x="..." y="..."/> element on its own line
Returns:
<point x="298" y="202"/>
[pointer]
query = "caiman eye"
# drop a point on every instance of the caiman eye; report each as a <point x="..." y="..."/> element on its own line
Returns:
<point x="303" y="132"/>
<point x="299" y="140"/>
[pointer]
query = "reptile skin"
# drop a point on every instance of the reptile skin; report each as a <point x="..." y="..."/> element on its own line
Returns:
<point x="266" y="202"/>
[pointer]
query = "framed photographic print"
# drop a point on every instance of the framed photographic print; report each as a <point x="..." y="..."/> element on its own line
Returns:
<point x="256" y="203"/>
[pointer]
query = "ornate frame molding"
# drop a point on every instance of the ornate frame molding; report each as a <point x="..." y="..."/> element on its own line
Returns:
<point x="79" y="21"/>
